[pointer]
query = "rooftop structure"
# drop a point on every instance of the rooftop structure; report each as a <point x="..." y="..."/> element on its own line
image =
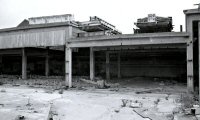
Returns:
<point x="153" y="23"/>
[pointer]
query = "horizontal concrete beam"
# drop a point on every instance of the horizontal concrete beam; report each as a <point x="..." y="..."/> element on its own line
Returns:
<point x="135" y="39"/>
<point x="145" y="47"/>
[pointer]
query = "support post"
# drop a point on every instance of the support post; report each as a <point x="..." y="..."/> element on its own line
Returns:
<point x="92" y="64"/>
<point x="107" y="66"/>
<point x="1" y="64"/>
<point x="199" y="59"/>
<point x="24" y="64"/>
<point x="119" y="65"/>
<point x="68" y="66"/>
<point x="47" y="63"/>
<point x="190" y="73"/>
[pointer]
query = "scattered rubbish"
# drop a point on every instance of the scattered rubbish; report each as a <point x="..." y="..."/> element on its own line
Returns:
<point x="2" y="105"/>
<point x="16" y="85"/>
<point x="135" y="105"/>
<point x="3" y="90"/>
<point x="49" y="91"/>
<point x="117" y="110"/>
<point x="60" y="91"/>
<point x="114" y="89"/>
<point x="161" y="83"/>
<point x="167" y="97"/>
<point x="20" y="117"/>
<point x="88" y="81"/>
<point x="187" y="100"/>
<point x="157" y="101"/>
<point x="131" y="104"/>
<point x="124" y="102"/>
<point x="143" y="92"/>
<point x="81" y="88"/>
<point x="188" y="111"/>
<point x="196" y="106"/>
<point x="1" y="83"/>
<point x="35" y="111"/>
<point x="176" y="110"/>
<point x="28" y="104"/>
<point x="101" y="84"/>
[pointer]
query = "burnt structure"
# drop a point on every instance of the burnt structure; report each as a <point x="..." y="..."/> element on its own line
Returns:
<point x="59" y="45"/>
<point x="153" y="24"/>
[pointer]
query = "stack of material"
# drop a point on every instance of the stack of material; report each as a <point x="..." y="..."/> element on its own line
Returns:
<point x="153" y="23"/>
<point x="96" y="24"/>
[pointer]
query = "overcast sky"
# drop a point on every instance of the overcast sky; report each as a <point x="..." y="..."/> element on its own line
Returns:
<point x="121" y="13"/>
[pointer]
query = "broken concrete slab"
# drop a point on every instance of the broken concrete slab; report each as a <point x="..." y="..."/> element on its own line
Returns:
<point x="135" y="105"/>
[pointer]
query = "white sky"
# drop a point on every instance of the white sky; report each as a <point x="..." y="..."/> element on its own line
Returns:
<point x="121" y="13"/>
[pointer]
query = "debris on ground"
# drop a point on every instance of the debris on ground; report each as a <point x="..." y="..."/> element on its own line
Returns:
<point x="100" y="84"/>
<point x="135" y="105"/>
<point x="131" y="103"/>
<point x="60" y="91"/>
<point x="121" y="101"/>
<point x="3" y="90"/>
<point x="20" y="117"/>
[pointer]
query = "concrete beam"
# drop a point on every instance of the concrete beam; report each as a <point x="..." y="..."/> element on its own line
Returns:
<point x="68" y="66"/>
<point x="124" y="40"/>
<point x="92" y="64"/>
<point x="24" y="64"/>
<point x="107" y="66"/>
<point x="144" y="47"/>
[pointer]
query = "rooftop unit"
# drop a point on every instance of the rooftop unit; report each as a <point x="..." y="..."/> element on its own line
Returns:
<point x="96" y="24"/>
<point x="153" y="23"/>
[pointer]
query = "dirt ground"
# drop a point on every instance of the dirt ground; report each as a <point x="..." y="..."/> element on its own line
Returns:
<point x="140" y="100"/>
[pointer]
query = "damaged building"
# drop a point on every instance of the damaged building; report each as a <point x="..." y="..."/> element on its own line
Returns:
<point x="60" y="46"/>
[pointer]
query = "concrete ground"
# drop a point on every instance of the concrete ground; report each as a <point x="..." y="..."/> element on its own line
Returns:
<point x="139" y="101"/>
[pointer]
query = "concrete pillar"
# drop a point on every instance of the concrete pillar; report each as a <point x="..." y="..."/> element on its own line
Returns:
<point x="199" y="60"/>
<point x="92" y="64"/>
<point x="24" y="64"/>
<point x="190" y="71"/>
<point x="68" y="57"/>
<point x="107" y="66"/>
<point x="119" y="65"/>
<point x="47" y="63"/>
<point x="1" y="64"/>
<point x="1" y="59"/>
<point x="68" y="66"/>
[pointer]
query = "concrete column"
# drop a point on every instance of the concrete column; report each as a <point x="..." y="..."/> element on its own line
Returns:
<point x="0" y="59"/>
<point x="68" y="57"/>
<point x="24" y="64"/>
<point x="199" y="60"/>
<point x="107" y="66"/>
<point x="119" y="65"/>
<point x="68" y="66"/>
<point x="92" y="64"/>
<point x="190" y="72"/>
<point x="1" y="64"/>
<point x="47" y="63"/>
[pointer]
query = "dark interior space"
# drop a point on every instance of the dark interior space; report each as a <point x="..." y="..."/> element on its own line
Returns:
<point x="10" y="65"/>
<point x="80" y="62"/>
<point x="169" y="63"/>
